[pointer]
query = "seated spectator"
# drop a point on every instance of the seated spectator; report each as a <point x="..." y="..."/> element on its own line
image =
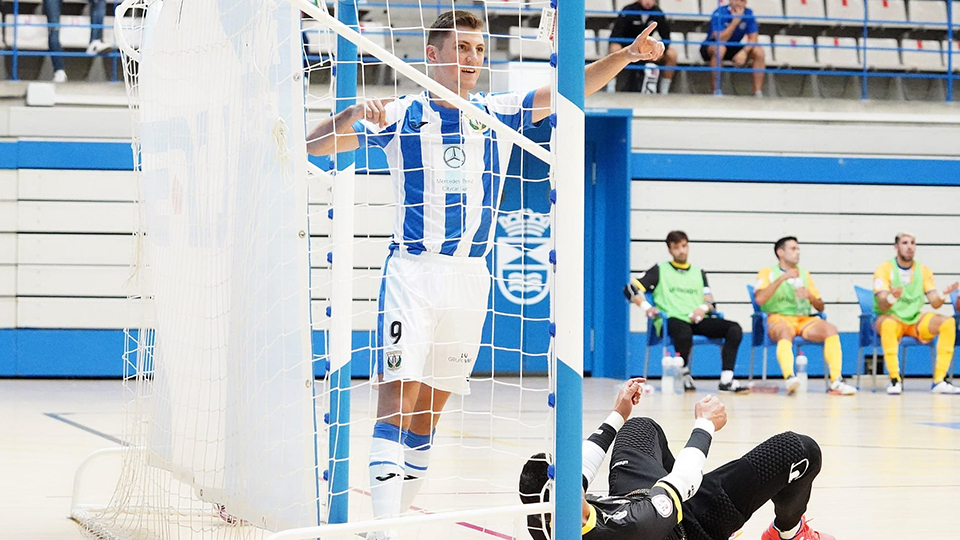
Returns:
<point x="728" y="26"/>
<point x="787" y="293"/>
<point x="900" y="288"/>
<point x="626" y="29"/>
<point x="52" y="8"/>
<point x="681" y="290"/>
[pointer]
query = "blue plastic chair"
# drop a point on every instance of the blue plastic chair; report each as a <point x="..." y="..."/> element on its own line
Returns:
<point x="869" y="338"/>
<point x="654" y="338"/>
<point x="956" y="320"/>
<point x="760" y="338"/>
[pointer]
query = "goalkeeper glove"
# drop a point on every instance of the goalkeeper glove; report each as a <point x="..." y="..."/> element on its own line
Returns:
<point x="632" y="290"/>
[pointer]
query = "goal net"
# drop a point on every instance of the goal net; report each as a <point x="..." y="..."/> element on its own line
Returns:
<point x="265" y="319"/>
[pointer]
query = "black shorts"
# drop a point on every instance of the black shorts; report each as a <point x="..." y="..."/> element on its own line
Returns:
<point x="728" y="55"/>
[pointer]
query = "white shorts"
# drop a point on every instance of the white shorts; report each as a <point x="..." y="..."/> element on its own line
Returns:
<point x="432" y="310"/>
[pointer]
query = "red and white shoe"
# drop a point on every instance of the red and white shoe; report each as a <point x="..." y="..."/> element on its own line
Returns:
<point x="805" y="533"/>
<point x="229" y="518"/>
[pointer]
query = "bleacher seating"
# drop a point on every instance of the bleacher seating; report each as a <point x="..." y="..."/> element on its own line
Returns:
<point x="894" y="11"/>
<point x="804" y="9"/>
<point x="838" y="52"/>
<point x="794" y="51"/>
<point x="955" y="47"/>
<point x="685" y="7"/>
<point x="590" y="45"/>
<point x="846" y="9"/>
<point x="922" y="54"/>
<point x="881" y="53"/>
<point x="32" y="32"/>
<point x="765" y="8"/>
<point x="603" y="41"/>
<point x="765" y="44"/>
<point x="928" y="11"/>
<point x="677" y="43"/>
<point x="694" y="40"/>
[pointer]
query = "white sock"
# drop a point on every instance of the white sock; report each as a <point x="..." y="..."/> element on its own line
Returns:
<point x="416" y="456"/>
<point x="790" y="533"/>
<point x="665" y="85"/>
<point x="726" y="376"/>
<point x="386" y="470"/>
<point x="758" y="93"/>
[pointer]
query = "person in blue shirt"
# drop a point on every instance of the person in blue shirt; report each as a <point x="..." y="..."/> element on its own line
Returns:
<point x="728" y="26"/>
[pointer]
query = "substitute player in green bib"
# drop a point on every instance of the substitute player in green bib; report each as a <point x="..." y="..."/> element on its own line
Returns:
<point x="788" y="295"/>
<point x="901" y="286"/>
<point x="681" y="290"/>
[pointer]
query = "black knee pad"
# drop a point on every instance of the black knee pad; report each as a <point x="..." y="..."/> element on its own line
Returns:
<point x="641" y="433"/>
<point x="778" y="454"/>
<point x="812" y="451"/>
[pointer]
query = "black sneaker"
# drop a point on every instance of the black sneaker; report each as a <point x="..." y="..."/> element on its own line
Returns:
<point x="688" y="385"/>
<point x="733" y="386"/>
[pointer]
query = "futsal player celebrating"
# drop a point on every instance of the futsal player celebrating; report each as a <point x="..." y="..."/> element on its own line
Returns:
<point x="787" y="293"/>
<point x="447" y="175"/>
<point x="655" y="495"/>
<point x="901" y="286"/>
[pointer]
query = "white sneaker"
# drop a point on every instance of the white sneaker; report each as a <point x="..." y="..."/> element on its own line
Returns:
<point x="895" y="388"/>
<point x="382" y="535"/>
<point x="840" y="388"/>
<point x="96" y="47"/>
<point x="792" y="384"/>
<point x="943" y="387"/>
<point x="59" y="76"/>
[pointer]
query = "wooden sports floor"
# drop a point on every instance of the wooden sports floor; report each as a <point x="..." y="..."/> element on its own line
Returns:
<point x="891" y="463"/>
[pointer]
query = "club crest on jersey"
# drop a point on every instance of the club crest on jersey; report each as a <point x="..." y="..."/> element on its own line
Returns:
<point x="476" y="125"/>
<point x="663" y="504"/>
<point x="523" y="256"/>
<point x="393" y="359"/>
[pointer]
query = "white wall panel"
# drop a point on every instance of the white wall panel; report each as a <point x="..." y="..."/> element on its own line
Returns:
<point x="744" y="227"/>
<point x="8" y="216"/>
<point x="364" y="315"/>
<point x="66" y="281"/>
<point x="366" y="284"/>
<point x="789" y="198"/>
<point x="8" y="185"/>
<point x="8" y="280"/>
<point x="74" y="185"/>
<point x="368" y="220"/>
<point x="76" y="249"/>
<point x="369" y="189"/>
<point x="8" y="312"/>
<point x="8" y="248"/>
<point x="76" y="217"/>
<point x="75" y="313"/>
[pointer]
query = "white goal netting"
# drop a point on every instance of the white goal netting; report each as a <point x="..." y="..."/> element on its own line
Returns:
<point x="254" y="371"/>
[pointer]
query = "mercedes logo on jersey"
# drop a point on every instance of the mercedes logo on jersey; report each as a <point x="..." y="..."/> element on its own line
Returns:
<point x="454" y="157"/>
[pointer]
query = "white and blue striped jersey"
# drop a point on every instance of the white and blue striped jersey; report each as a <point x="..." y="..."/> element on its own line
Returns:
<point x="447" y="170"/>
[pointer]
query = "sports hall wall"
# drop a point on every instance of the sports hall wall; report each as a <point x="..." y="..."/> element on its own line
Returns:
<point x="843" y="178"/>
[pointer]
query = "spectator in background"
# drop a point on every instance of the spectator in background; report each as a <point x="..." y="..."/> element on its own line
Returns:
<point x="626" y="29"/>
<point x="729" y="25"/>
<point x="787" y="293"/>
<point x="901" y="286"/>
<point x="681" y="290"/>
<point x="52" y="8"/>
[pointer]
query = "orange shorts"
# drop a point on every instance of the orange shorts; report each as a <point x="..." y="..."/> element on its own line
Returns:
<point x="797" y="322"/>
<point x="919" y="330"/>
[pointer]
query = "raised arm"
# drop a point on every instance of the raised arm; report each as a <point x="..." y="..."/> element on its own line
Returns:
<point x="336" y="134"/>
<point x="598" y="443"/>
<point x="687" y="473"/>
<point x="599" y="73"/>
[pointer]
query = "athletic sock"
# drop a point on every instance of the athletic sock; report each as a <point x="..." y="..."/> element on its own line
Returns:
<point x="833" y="356"/>
<point x="665" y="85"/>
<point x="947" y="339"/>
<point x="790" y="533"/>
<point x="785" y="357"/>
<point x="890" y="343"/>
<point x="386" y="470"/>
<point x="726" y="376"/>
<point x="416" y="456"/>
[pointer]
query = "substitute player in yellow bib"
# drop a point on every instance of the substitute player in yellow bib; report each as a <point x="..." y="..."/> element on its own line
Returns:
<point x="788" y="295"/>
<point x="900" y="288"/>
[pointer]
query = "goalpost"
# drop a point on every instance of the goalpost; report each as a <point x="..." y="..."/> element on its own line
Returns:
<point x="252" y="367"/>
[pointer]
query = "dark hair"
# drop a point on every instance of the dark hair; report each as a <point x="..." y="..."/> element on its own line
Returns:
<point x="779" y="243"/>
<point x="450" y="20"/>
<point x="533" y="478"/>
<point x="674" y="237"/>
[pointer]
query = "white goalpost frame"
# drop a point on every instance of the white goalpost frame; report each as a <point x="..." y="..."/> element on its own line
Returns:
<point x="565" y="154"/>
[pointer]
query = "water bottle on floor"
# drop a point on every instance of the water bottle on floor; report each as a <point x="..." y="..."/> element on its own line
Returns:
<point x="802" y="371"/>
<point x="671" y="375"/>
